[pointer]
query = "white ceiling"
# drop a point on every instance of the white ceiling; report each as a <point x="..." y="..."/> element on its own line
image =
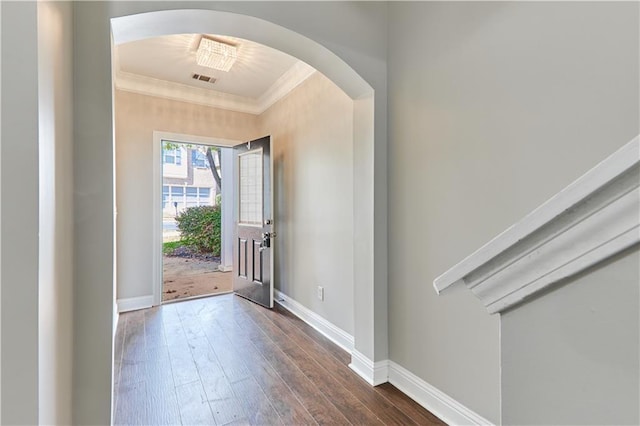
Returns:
<point x="163" y="66"/>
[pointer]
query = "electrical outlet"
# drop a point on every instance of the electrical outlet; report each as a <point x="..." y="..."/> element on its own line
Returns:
<point x="320" y="293"/>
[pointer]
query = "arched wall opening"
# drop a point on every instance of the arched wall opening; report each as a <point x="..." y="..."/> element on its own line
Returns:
<point x="94" y="159"/>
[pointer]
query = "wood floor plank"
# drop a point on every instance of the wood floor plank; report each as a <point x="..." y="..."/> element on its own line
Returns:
<point x="154" y="328"/>
<point x="282" y="398"/>
<point x="411" y="408"/>
<point x="342" y="398"/>
<point x="190" y="321"/>
<point x="349" y="407"/>
<point x="224" y="404"/>
<point x="316" y="403"/>
<point x="162" y="399"/>
<point x="366" y="394"/>
<point x="194" y="407"/>
<point x="132" y="404"/>
<point x="182" y="363"/>
<point x="314" y="334"/>
<point x="227" y="355"/>
<point x="224" y="360"/>
<point x="257" y="406"/>
<point x="132" y="369"/>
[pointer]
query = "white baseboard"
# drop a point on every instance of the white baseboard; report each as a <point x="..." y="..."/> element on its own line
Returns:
<point x="440" y="404"/>
<point x="374" y="373"/>
<point x="330" y="331"/>
<point x="134" y="303"/>
<point x="225" y="268"/>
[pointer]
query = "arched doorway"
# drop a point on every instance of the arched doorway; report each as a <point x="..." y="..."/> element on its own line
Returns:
<point x="93" y="125"/>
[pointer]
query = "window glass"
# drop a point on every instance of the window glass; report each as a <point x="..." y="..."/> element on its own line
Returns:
<point x="172" y="156"/>
<point x="251" y="188"/>
<point x="198" y="159"/>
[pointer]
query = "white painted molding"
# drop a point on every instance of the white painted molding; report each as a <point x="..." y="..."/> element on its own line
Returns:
<point x="442" y="405"/>
<point x="223" y="268"/>
<point x="136" y="83"/>
<point x="374" y="373"/>
<point x="134" y="303"/>
<point x="592" y="219"/>
<point x="434" y="400"/>
<point x="288" y="81"/>
<point x="327" y="329"/>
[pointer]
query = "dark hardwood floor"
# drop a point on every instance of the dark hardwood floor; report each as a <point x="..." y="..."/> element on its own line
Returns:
<point x="223" y="360"/>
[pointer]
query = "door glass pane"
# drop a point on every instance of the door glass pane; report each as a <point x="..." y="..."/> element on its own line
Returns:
<point x="251" y="188"/>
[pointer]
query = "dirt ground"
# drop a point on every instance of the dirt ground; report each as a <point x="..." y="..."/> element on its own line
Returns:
<point x="185" y="277"/>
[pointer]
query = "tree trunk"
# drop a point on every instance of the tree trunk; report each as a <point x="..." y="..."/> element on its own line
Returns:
<point x="214" y="170"/>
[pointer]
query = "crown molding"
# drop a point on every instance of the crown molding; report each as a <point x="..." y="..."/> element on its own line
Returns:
<point x="150" y="86"/>
<point x="288" y="81"/>
<point x="592" y="219"/>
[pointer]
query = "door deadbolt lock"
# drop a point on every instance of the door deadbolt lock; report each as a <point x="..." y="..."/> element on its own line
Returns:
<point x="266" y="240"/>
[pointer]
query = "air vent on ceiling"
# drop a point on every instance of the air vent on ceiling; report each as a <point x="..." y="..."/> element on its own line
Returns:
<point x="205" y="78"/>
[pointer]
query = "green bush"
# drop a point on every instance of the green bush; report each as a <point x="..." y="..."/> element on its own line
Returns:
<point x="200" y="228"/>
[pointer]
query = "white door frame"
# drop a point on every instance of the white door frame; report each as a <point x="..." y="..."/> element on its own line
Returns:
<point x="158" y="137"/>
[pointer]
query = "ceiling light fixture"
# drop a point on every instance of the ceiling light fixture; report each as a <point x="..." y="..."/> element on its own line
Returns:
<point x="216" y="55"/>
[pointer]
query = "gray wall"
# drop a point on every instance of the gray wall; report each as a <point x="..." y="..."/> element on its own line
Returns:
<point x="571" y="356"/>
<point x="493" y="108"/>
<point x="19" y="228"/>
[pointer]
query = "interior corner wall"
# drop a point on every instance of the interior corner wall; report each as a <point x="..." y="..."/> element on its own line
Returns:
<point x="55" y="108"/>
<point x="493" y="108"/>
<point x="136" y="118"/>
<point x="312" y="146"/>
<point x="19" y="227"/>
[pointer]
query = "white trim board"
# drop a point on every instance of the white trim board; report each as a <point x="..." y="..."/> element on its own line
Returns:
<point x="327" y="329"/>
<point x="592" y="219"/>
<point x="437" y="402"/>
<point x="141" y="84"/>
<point x="431" y="398"/>
<point x="134" y="303"/>
<point x="374" y="373"/>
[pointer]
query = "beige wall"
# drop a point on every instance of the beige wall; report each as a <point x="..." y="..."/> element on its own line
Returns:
<point x="493" y="108"/>
<point x="137" y="117"/>
<point x="55" y="322"/>
<point x="312" y="146"/>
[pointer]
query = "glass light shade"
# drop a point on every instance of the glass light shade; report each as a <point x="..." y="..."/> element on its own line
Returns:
<point x="216" y="55"/>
